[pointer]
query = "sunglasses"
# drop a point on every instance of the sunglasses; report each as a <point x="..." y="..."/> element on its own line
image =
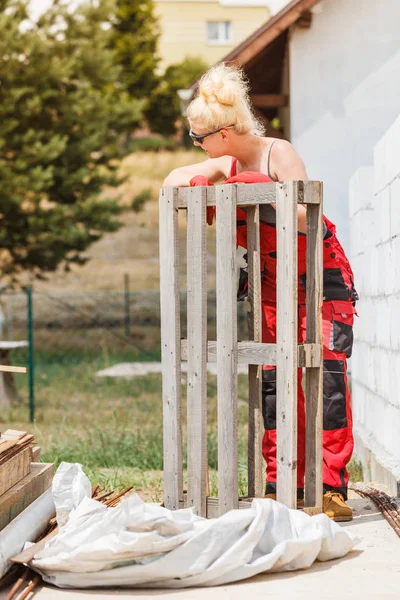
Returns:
<point x="200" y="138"/>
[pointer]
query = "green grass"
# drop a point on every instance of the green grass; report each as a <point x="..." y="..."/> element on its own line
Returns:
<point x="113" y="427"/>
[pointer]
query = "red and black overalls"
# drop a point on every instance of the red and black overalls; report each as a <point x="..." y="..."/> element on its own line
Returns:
<point x="338" y="311"/>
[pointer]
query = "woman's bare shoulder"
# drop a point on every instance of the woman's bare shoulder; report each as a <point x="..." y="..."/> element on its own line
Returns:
<point x="286" y="163"/>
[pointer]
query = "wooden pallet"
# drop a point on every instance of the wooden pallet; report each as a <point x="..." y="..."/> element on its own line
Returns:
<point x="23" y="493"/>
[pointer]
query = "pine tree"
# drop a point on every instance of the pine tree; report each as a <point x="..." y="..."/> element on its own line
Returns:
<point x="135" y="37"/>
<point x="61" y="116"/>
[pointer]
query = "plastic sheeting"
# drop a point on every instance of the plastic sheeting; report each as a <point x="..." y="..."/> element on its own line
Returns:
<point x="146" y="545"/>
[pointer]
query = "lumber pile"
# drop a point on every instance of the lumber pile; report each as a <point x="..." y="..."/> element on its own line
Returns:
<point x="22" y="479"/>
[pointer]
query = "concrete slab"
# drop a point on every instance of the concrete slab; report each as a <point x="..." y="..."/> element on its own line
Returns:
<point x="371" y="571"/>
<point x="137" y="369"/>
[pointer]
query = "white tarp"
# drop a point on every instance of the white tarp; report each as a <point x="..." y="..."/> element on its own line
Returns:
<point x="145" y="545"/>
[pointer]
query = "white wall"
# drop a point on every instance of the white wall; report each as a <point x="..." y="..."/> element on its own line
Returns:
<point x="345" y="92"/>
<point x="374" y="211"/>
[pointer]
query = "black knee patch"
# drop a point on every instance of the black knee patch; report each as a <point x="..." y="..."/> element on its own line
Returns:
<point x="269" y="398"/>
<point x="334" y="395"/>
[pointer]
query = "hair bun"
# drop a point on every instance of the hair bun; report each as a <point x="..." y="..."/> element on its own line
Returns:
<point x="218" y="91"/>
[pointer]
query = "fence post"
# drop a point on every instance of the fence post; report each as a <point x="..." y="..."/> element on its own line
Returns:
<point x="31" y="374"/>
<point x="126" y="305"/>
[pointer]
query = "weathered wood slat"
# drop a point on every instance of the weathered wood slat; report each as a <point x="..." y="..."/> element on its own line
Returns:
<point x="15" y="469"/>
<point x="255" y="430"/>
<point x="314" y="376"/>
<point x="197" y="351"/>
<point x="250" y="194"/>
<point x="227" y="348"/>
<point x="256" y="353"/>
<point x="286" y="412"/>
<point x="23" y="493"/>
<point x="171" y="348"/>
<point x="213" y="510"/>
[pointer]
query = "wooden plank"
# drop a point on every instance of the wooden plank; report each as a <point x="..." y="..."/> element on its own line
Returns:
<point x="197" y="350"/>
<point x="309" y="192"/>
<point x="314" y="334"/>
<point x="255" y="432"/>
<point x="23" y="493"/>
<point x="35" y="453"/>
<point x="27" y="555"/>
<point x="250" y="194"/>
<point x="15" y="469"/>
<point x="213" y="510"/>
<point x="286" y="412"/>
<point x="312" y="510"/>
<point x="255" y="353"/>
<point x="227" y="348"/>
<point x="170" y="348"/>
<point x="11" y="369"/>
<point x="269" y="100"/>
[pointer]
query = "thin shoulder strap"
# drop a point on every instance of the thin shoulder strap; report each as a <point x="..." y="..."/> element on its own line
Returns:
<point x="269" y="162"/>
<point x="233" y="167"/>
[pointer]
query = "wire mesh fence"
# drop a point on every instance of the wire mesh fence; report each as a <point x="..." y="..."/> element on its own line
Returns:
<point x="70" y="339"/>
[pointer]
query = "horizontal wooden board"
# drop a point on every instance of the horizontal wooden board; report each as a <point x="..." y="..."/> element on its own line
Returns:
<point x="212" y="507"/>
<point x="255" y="353"/>
<point x="249" y="194"/>
<point x="23" y="493"/>
<point x="15" y="469"/>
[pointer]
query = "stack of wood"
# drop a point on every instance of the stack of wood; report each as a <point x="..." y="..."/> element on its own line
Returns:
<point x="22" y="479"/>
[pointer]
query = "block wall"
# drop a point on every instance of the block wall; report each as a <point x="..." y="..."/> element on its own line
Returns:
<point x="374" y="207"/>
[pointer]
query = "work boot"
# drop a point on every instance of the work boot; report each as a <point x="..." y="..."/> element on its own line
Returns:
<point x="335" y="507"/>
<point x="271" y="496"/>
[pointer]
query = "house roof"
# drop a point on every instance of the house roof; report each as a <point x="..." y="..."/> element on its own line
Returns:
<point x="267" y="33"/>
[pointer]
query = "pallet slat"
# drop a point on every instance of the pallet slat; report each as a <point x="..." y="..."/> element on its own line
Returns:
<point x="197" y="350"/>
<point x="170" y="348"/>
<point x="314" y="376"/>
<point x="227" y="348"/>
<point x="250" y="194"/>
<point x="252" y="353"/>
<point x="286" y="337"/>
<point x="255" y="430"/>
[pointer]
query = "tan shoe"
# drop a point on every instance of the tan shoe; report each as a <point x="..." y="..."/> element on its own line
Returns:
<point x="335" y="507"/>
<point x="271" y="496"/>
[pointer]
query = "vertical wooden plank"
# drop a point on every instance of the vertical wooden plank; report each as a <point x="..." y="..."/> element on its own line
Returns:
<point x="171" y="348"/>
<point x="227" y="348"/>
<point x="197" y="350"/>
<point x="255" y="462"/>
<point x="286" y="413"/>
<point x="314" y="376"/>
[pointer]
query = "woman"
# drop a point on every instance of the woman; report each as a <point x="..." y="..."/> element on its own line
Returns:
<point x="223" y="125"/>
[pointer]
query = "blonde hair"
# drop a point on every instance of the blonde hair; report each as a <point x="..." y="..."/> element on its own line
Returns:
<point x="223" y="99"/>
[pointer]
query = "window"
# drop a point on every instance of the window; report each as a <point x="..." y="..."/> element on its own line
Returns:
<point x="219" y="32"/>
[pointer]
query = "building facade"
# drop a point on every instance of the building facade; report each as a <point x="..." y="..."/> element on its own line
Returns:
<point x="205" y="28"/>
